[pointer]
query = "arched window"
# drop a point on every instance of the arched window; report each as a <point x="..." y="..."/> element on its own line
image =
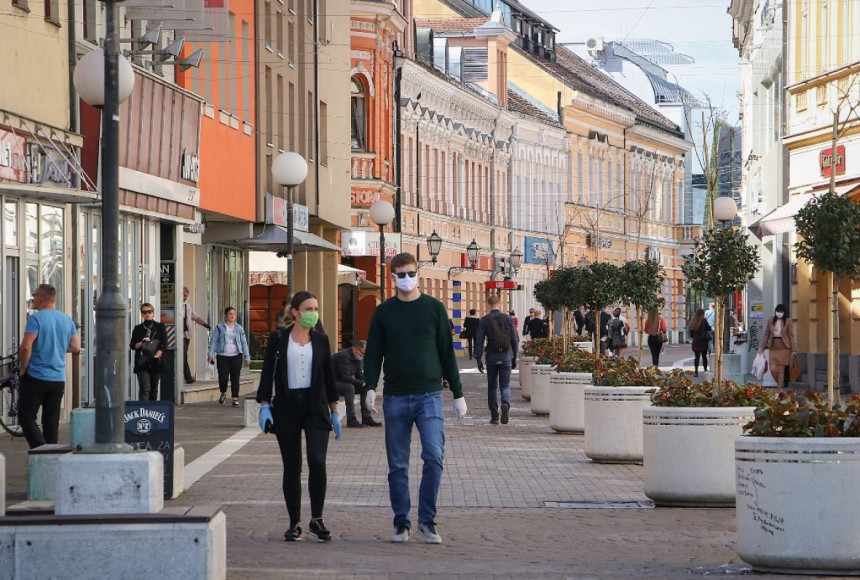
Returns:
<point x="359" y="115"/>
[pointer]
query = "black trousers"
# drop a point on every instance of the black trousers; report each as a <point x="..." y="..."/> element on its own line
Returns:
<point x="348" y="391"/>
<point x="656" y="345"/>
<point x="147" y="385"/>
<point x="289" y="433"/>
<point x="471" y="343"/>
<point x="229" y="367"/>
<point x="33" y="394"/>
<point x="704" y="357"/>
<point x="189" y="378"/>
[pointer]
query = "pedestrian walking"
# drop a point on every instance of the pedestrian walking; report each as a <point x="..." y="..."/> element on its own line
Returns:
<point x="617" y="330"/>
<point x="349" y="380"/>
<point x="409" y="339"/>
<point x="700" y="331"/>
<point x="779" y="338"/>
<point x="502" y="341"/>
<point x="298" y="367"/>
<point x="148" y="341"/>
<point x="710" y="317"/>
<point x="655" y="328"/>
<point x="579" y="320"/>
<point x="228" y="348"/>
<point x="48" y="336"/>
<point x="516" y="320"/>
<point x="538" y="327"/>
<point x="470" y="328"/>
<point x="189" y="318"/>
<point x="526" y="321"/>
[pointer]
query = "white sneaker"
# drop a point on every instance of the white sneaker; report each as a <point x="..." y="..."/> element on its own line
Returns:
<point x="429" y="532"/>
<point x="401" y="535"/>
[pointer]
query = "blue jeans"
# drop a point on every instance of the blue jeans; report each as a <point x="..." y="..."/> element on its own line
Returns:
<point x="400" y="412"/>
<point x="498" y="377"/>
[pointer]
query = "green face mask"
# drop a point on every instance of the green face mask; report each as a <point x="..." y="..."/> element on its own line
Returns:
<point x="310" y="319"/>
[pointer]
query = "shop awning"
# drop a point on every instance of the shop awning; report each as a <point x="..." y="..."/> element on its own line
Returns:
<point x="781" y="219"/>
<point x="274" y="239"/>
<point x="267" y="268"/>
<point x="349" y="275"/>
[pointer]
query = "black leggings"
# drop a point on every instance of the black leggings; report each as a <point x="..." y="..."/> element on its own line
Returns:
<point x="229" y="367"/>
<point x="656" y="345"/>
<point x="704" y="356"/>
<point x="289" y="433"/>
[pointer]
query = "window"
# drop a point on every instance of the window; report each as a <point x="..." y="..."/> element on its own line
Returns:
<point x="311" y="117"/>
<point x="245" y="67"/>
<point x="358" y="115"/>
<point x="89" y="20"/>
<point x="323" y="133"/>
<point x="22" y="4"/>
<point x="267" y="23"/>
<point x="279" y="32"/>
<point x="52" y="11"/>
<point x="291" y="114"/>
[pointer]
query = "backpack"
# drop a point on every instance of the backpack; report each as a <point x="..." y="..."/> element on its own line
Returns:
<point x="498" y="334"/>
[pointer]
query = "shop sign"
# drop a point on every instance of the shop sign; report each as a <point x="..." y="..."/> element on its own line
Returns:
<point x="538" y="251"/>
<point x="280" y="214"/>
<point x="189" y="166"/>
<point x="825" y="159"/>
<point x="49" y="165"/>
<point x="501" y="285"/>
<point x="366" y="243"/>
<point x="13" y="158"/>
<point x="363" y="198"/>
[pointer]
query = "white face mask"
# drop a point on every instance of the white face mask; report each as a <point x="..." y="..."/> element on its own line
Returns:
<point x="779" y="314"/>
<point x="406" y="284"/>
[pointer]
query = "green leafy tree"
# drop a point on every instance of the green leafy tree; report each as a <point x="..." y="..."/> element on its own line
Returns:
<point x="722" y="262"/>
<point x="602" y="287"/>
<point x="643" y="284"/>
<point x="829" y="238"/>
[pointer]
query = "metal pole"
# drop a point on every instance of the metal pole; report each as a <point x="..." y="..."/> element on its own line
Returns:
<point x="290" y="290"/>
<point x="381" y="264"/>
<point x="398" y="151"/>
<point x="110" y="309"/>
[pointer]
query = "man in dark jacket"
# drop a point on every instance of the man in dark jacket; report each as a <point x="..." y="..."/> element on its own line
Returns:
<point x="349" y="379"/>
<point x="470" y="328"/>
<point x="501" y="357"/>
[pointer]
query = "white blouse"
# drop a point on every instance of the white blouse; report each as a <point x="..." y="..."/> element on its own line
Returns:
<point x="299" y="360"/>
<point x="231" y="344"/>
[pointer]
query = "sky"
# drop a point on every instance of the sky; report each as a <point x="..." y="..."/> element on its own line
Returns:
<point x="701" y="29"/>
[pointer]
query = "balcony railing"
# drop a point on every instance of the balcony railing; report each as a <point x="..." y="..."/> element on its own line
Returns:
<point x="362" y="164"/>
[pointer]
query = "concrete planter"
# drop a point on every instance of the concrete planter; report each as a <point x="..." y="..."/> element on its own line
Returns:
<point x="613" y="423"/>
<point x="524" y="364"/>
<point x="540" y="388"/>
<point x="689" y="454"/>
<point x="566" y="401"/>
<point x="793" y="504"/>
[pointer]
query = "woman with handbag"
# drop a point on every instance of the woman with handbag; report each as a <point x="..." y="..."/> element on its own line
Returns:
<point x="148" y="340"/>
<point x="700" y="332"/>
<point x="655" y="328"/>
<point x="779" y="338"/>
<point x="230" y="345"/>
<point x="298" y="368"/>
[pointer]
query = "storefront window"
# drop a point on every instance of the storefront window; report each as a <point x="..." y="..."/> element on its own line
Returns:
<point x="10" y="217"/>
<point x="52" y="251"/>
<point x="31" y="227"/>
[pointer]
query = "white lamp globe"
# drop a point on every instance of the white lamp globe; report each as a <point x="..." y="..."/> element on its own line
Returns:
<point x="89" y="78"/>
<point x="381" y="213"/>
<point x="725" y="209"/>
<point x="289" y="169"/>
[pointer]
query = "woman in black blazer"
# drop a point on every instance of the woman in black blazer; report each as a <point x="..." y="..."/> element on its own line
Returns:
<point x="298" y="366"/>
<point x="149" y="336"/>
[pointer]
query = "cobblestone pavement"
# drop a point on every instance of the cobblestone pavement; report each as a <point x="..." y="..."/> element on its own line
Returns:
<point x="501" y="509"/>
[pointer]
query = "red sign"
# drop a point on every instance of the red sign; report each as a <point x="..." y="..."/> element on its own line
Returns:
<point x="825" y="159"/>
<point x="501" y="285"/>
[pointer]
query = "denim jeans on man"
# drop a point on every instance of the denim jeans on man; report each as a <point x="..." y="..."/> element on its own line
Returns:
<point x="498" y="378"/>
<point x="401" y="412"/>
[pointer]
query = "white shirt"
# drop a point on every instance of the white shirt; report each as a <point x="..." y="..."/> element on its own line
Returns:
<point x="231" y="345"/>
<point x="299" y="360"/>
<point x="188" y="316"/>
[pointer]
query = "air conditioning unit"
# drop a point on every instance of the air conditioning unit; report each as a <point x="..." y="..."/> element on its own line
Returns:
<point x="594" y="44"/>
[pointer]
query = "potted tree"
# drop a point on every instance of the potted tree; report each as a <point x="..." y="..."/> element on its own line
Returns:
<point x="613" y="410"/>
<point x="643" y="282"/>
<point x="722" y="262"/>
<point x="574" y="372"/>
<point x="547" y="352"/>
<point x="689" y="437"/>
<point x="603" y="288"/>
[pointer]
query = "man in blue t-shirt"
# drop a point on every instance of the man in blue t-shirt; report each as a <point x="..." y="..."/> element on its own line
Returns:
<point x="49" y="335"/>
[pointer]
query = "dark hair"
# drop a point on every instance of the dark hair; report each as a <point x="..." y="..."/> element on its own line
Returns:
<point x="780" y="308"/>
<point x="46" y="292"/>
<point x="145" y="304"/>
<point x="403" y="259"/>
<point x="300" y="297"/>
<point x="512" y="313"/>
<point x="472" y="311"/>
<point x="228" y="309"/>
<point x="697" y="320"/>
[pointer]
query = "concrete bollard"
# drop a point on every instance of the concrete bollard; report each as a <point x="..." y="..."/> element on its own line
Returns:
<point x="252" y="410"/>
<point x="42" y="471"/>
<point x="83" y="427"/>
<point x="178" y="472"/>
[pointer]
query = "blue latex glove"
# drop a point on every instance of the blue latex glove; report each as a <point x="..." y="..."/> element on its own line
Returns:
<point x="335" y="422"/>
<point x="266" y="420"/>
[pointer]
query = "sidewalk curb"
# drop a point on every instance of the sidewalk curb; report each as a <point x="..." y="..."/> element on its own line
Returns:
<point x="212" y="458"/>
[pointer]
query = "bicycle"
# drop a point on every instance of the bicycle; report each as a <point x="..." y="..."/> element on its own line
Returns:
<point x="9" y="397"/>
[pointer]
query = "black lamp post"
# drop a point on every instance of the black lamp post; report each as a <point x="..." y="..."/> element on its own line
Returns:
<point x="516" y="260"/>
<point x="103" y="78"/>
<point x="290" y="169"/>
<point x="434" y="245"/>
<point x="473" y="251"/>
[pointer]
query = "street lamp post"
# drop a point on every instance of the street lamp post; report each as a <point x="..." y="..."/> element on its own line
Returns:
<point x="289" y="169"/>
<point x="434" y="246"/>
<point x="381" y="213"/>
<point x="724" y="211"/>
<point x="473" y="254"/>
<point x="103" y="78"/>
<point x="516" y="260"/>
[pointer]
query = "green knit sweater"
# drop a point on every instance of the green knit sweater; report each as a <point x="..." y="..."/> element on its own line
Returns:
<point x="414" y="341"/>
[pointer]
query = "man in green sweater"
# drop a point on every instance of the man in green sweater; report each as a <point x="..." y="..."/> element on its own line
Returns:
<point x="410" y="333"/>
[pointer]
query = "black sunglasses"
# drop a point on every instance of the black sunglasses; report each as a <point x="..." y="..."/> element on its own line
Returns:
<point x="402" y="275"/>
<point x="147" y="311"/>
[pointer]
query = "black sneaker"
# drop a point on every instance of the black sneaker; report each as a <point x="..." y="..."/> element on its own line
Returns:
<point x="494" y="421"/>
<point x="369" y="422"/>
<point x="235" y="402"/>
<point x="317" y="528"/>
<point x="353" y="423"/>
<point x="505" y="410"/>
<point x="222" y="398"/>
<point x="293" y="534"/>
